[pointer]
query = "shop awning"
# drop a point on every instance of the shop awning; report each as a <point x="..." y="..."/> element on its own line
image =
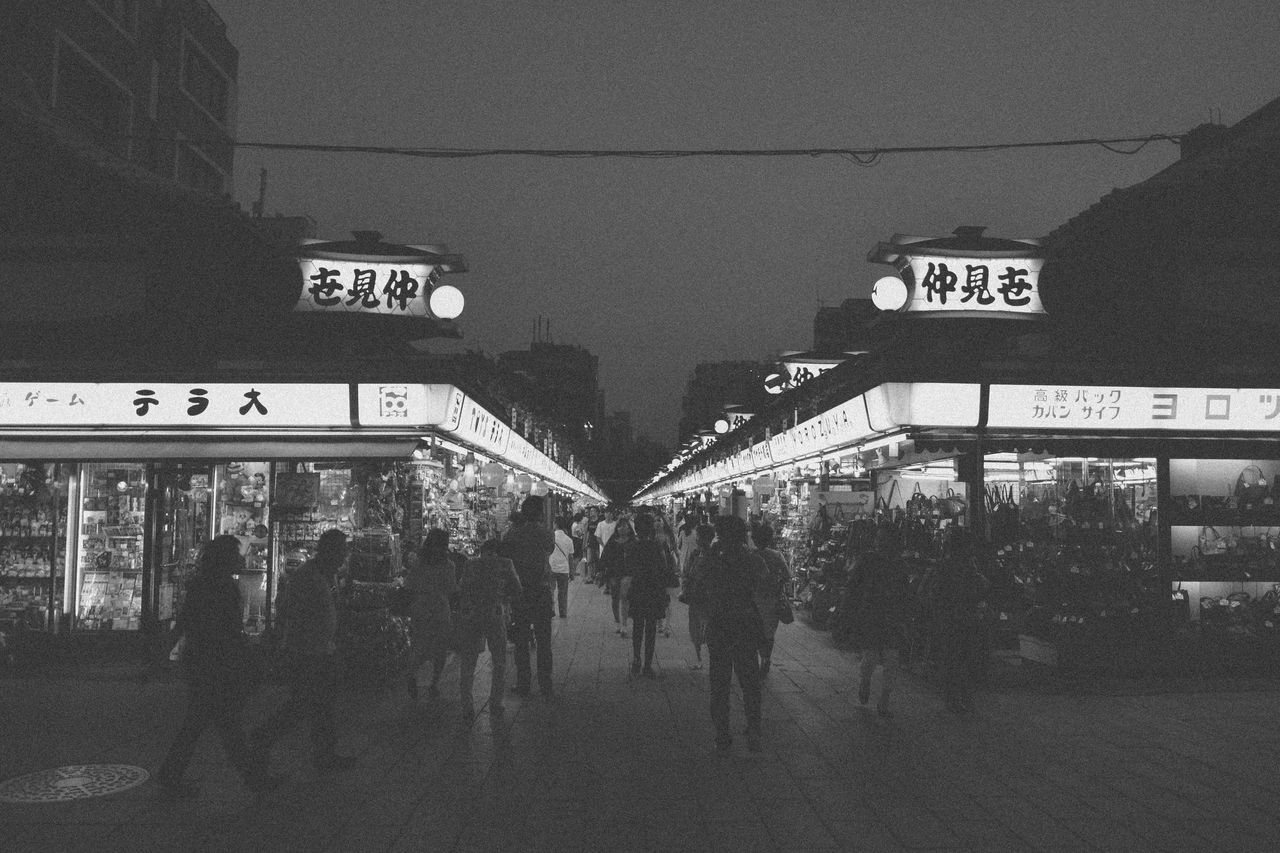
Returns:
<point x="126" y="448"/>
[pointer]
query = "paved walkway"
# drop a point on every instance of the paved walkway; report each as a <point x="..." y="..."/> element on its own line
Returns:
<point x="616" y="764"/>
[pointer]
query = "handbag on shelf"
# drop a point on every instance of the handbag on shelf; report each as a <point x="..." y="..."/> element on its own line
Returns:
<point x="1251" y="489"/>
<point x="1212" y="543"/>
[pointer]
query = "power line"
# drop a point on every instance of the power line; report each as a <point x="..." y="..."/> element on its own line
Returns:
<point x="862" y="156"/>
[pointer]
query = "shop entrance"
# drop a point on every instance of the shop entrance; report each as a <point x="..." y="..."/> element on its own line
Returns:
<point x="182" y="525"/>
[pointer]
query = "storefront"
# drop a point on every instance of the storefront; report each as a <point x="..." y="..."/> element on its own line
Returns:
<point x="109" y="490"/>
<point x="1103" y="508"/>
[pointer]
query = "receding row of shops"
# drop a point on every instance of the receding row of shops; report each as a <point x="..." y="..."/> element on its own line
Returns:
<point x="1105" y="510"/>
<point x="109" y="490"/>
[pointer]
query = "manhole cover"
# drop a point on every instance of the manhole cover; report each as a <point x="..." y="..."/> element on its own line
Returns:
<point x="77" y="782"/>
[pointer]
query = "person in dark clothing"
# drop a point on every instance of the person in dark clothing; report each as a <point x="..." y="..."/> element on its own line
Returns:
<point x="528" y="544"/>
<point x="726" y="591"/>
<point x="309" y="614"/>
<point x="877" y="592"/>
<point x="769" y="593"/>
<point x="613" y="571"/>
<point x="957" y="602"/>
<point x="214" y="661"/>
<point x="651" y="572"/>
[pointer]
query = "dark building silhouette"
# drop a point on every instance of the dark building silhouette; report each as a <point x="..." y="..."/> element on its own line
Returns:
<point x="715" y="384"/>
<point x="564" y="379"/>
<point x="131" y="76"/>
<point x="849" y="326"/>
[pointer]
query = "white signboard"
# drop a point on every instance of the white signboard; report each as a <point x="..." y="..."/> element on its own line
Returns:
<point x="410" y="405"/>
<point x="1107" y="407"/>
<point x="365" y="287"/>
<point x="478" y="427"/>
<point x="975" y="286"/>
<point x="195" y="405"/>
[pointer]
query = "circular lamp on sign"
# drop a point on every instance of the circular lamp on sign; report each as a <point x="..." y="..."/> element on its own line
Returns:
<point x="523" y="482"/>
<point x="722" y="426"/>
<point x="446" y="302"/>
<point x="889" y="293"/>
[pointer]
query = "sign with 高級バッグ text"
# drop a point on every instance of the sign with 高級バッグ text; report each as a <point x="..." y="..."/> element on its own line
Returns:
<point x="976" y="286"/>
<point x="166" y="404"/>
<point x="365" y="287"/>
<point x="1107" y="407"/>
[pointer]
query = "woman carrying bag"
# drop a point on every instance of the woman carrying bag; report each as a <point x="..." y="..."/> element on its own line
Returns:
<point x="220" y="669"/>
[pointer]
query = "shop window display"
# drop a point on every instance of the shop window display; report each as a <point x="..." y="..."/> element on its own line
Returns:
<point x="113" y="511"/>
<point x="1073" y="544"/>
<point x="32" y="544"/>
<point x="1224" y="528"/>
<point x="244" y="511"/>
<point x="183" y="526"/>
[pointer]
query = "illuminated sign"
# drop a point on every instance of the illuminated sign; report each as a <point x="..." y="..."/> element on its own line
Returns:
<point x="366" y="286"/>
<point x="1112" y="407"/>
<point x="168" y="404"/>
<point x="409" y="405"/>
<point x="795" y="369"/>
<point x="974" y="285"/>
<point x="964" y="275"/>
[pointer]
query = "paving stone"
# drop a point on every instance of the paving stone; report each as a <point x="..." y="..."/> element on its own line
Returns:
<point x="619" y="764"/>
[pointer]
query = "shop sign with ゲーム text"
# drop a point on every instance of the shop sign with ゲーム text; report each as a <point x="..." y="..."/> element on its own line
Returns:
<point x="959" y="285"/>
<point x="1123" y="407"/>
<point x="166" y="404"/>
<point x="365" y="287"/>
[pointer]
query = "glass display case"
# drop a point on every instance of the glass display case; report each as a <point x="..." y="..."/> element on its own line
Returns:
<point x="32" y="542"/>
<point x="112" y="518"/>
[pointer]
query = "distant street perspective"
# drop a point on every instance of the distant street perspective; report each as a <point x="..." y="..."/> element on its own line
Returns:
<point x="635" y="426"/>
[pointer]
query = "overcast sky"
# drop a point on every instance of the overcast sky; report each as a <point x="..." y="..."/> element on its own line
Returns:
<point x="657" y="265"/>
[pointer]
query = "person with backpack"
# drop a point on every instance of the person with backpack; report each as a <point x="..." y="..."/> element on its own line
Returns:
<point x="529" y="545"/>
<point x="770" y="591"/>
<point x="877" y="594"/>
<point x="727" y="592"/>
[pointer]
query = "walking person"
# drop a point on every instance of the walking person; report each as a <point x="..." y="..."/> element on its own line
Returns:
<point x="770" y="592"/>
<point x="529" y="545"/>
<point x="613" y="569"/>
<point x="219" y="673"/>
<point x="591" y="548"/>
<point x="578" y="533"/>
<point x="606" y="526"/>
<point x="693" y="573"/>
<point x="309" y="615"/>
<point x="489" y="584"/>
<point x="432" y="582"/>
<point x="562" y="565"/>
<point x="727" y="589"/>
<point x="957" y="604"/>
<point x="877" y="595"/>
<point x="666" y="537"/>
<point x="651" y="572"/>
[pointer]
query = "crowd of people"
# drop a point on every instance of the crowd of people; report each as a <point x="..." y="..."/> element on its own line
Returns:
<point x="733" y="581"/>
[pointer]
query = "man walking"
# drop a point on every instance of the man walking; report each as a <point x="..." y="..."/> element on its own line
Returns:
<point x="528" y="544"/>
<point x="309" y="614"/>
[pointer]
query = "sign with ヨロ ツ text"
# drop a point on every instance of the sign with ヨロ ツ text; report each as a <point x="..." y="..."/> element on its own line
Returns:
<point x="1108" y="407"/>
